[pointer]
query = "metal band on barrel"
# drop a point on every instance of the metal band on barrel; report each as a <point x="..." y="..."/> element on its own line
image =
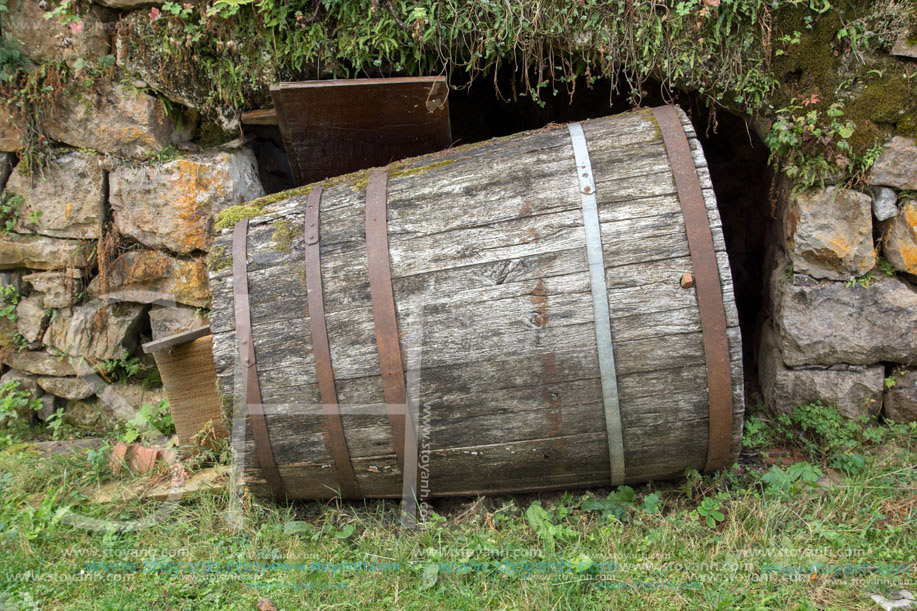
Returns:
<point x="250" y="387"/>
<point x="707" y="283"/>
<point x="336" y="442"/>
<point x="600" y="310"/>
<point x="386" y="325"/>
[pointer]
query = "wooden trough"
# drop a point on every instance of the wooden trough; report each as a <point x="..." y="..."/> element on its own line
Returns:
<point x="556" y="305"/>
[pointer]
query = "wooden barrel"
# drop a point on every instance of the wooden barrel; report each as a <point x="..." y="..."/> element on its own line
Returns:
<point x="555" y="306"/>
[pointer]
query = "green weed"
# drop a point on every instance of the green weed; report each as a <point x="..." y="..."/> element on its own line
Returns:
<point x="16" y="407"/>
<point x="149" y="424"/>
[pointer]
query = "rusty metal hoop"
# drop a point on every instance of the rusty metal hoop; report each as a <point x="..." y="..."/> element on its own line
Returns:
<point x="384" y="318"/>
<point x="250" y="387"/>
<point x="335" y="441"/>
<point x="707" y="283"/>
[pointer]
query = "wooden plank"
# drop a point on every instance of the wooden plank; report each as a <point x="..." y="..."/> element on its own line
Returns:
<point x="175" y="340"/>
<point x="335" y="127"/>
<point x="261" y="116"/>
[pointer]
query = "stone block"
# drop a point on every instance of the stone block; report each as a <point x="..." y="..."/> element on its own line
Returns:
<point x="40" y="363"/>
<point x="171" y="205"/>
<point x="147" y="276"/>
<point x="12" y="128"/>
<point x="86" y="415"/>
<point x="49" y="405"/>
<point x="68" y="388"/>
<point x="901" y="399"/>
<point x="55" y="289"/>
<point x="165" y="321"/>
<point x="96" y="330"/>
<point x="900" y="239"/>
<point x="26" y="382"/>
<point x="884" y="203"/>
<point x="30" y="318"/>
<point x="48" y="39"/>
<point x="854" y="390"/>
<point x="827" y="323"/>
<point x="6" y="167"/>
<point x="897" y="165"/>
<point x="829" y="233"/>
<point x="903" y="48"/>
<point x="41" y="252"/>
<point x="113" y="119"/>
<point x="65" y="201"/>
<point x="138" y="53"/>
<point x="123" y="399"/>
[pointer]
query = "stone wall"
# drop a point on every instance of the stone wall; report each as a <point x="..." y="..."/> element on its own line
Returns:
<point x="103" y="245"/>
<point x="842" y="313"/>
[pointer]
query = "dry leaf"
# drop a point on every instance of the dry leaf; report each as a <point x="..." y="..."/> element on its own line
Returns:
<point x="265" y="604"/>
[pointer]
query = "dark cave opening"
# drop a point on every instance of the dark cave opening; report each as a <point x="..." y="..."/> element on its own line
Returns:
<point x="736" y="156"/>
<point x="742" y="181"/>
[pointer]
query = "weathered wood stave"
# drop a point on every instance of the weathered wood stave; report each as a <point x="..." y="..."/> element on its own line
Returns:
<point x="495" y="404"/>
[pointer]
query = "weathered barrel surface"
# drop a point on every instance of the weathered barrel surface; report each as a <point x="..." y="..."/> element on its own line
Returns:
<point x="495" y="310"/>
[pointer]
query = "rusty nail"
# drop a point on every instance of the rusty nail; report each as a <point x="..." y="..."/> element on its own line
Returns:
<point x="687" y="281"/>
<point x="587" y="189"/>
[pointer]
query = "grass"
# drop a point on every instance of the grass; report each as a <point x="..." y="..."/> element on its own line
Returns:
<point x="740" y="539"/>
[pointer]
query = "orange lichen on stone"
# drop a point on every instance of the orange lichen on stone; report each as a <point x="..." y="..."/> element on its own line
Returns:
<point x="829" y="233"/>
<point x="901" y="239"/>
<point x="155" y="275"/>
<point x="171" y="205"/>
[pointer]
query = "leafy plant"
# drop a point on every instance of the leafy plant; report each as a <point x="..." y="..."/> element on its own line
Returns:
<point x="863" y="281"/>
<point x="879" y="28"/>
<point x="710" y="509"/>
<point x="9" y="299"/>
<point x="652" y="503"/>
<point x="20" y="341"/>
<point x="11" y="57"/>
<point x="227" y="8"/>
<point x="16" y="405"/>
<point x="121" y="369"/>
<point x="213" y="449"/>
<point x="794" y="478"/>
<point x="37" y="521"/>
<point x="851" y="463"/>
<point x="55" y="424"/>
<point x="808" y="144"/>
<point x="721" y="49"/>
<point x="820" y="431"/>
<point x="150" y="422"/>
<point x="617" y="504"/>
<point x="886" y="268"/>
<point x="755" y="435"/>
<point x="10" y="212"/>
<point x="180" y="10"/>
<point x="540" y="521"/>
